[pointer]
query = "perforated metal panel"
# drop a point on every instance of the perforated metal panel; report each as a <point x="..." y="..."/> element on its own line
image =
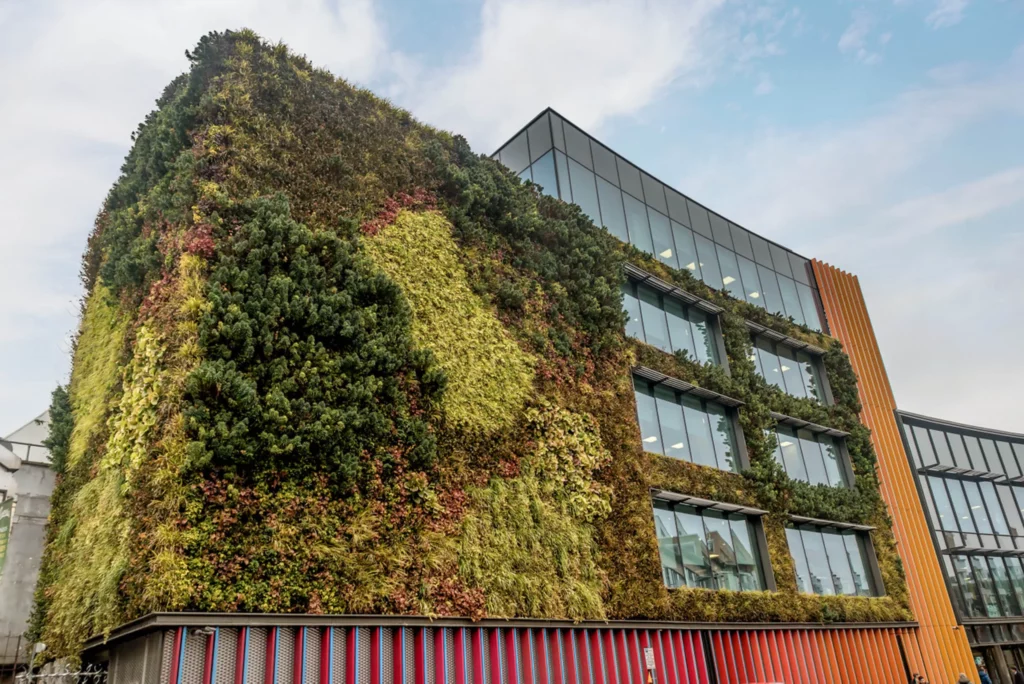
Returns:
<point x="227" y="653"/>
<point x="285" y="666"/>
<point x="313" y="641"/>
<point x="449" y="652"/>
<point x="338" y="656"/>
<point x="256" y="660"/>
<point x="166" y="653"/>
<point x="410" y="655"/>
<point x="387" y="655"/>
<point x="428" y="657"/>
<point x="467" y="652"/>
<point x="195" y="658"/>
<point x="363" y="656"/>
<point x="485" y="654"/>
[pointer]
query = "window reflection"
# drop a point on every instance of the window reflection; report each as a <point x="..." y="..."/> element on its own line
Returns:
<point x="706" y="549"/>
<point x="794" y="372"/>
<point x="584" y="192"/>
<point x="685" y="427"/>
<point x="829" y="561"/>
<point x="544" y="174"/>
<point x="809" y="457"/>
<point x="668" y="324"/>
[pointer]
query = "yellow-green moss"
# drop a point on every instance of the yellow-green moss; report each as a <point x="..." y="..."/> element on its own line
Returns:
<point x="489" y="376"/>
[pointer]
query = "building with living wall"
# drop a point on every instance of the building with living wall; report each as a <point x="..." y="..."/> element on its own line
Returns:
<point x="971" y="484"/>
<point x="350" y="402"/>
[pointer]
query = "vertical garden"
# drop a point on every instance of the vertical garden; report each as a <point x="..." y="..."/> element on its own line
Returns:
<point x="332" y="361"/>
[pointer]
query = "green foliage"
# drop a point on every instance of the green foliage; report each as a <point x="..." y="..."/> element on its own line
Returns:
<point x="62" y="423"/>
<point x="489" y="376"/>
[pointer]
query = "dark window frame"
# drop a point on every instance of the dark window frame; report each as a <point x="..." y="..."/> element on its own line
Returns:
<point x="794" y="346"/>
<point x="845" y="461"/>
<point x="866" y="543"/>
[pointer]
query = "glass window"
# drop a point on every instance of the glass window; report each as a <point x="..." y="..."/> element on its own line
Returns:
<point x="941" y="447"/>
<point x="1008" y="507"/>
<point x="636" y="219"/>
<point x="670" y="417"/>
<point x="584" y="192"/>
<point x="1001" y="581"/>
<point x="799" y="265"/>
<point x="708" y="262"/>
<point x="975" y="607"/>
<point x="577" y="144"/>
<point x="634" y="327"/>
<point x="809" y="306"/>
<point x="720" y="230"/>
<point x="809" y="374"/>
<point x="751" y="283"/>
<point x="856" y="551"/>
<point x="723" y="437"/>
<point x="612" y="216"/>
<point x="687" y="251"/>
<point x="809" y="457"/>
<point x="995" y="464"/>
<point x="1015" y="577"/>
<point x="544" y="174"/>
<point x="707" y="350"/>
<point x="661" y="234"/>
<point x="698" y="428"/>
<point x="790" y="372"/>
<point x="960" y="507"/>
<point x="770" y="365"/>
<point x="730" y="273"/>
<point x="789" y="454"/>
<point x="680" y="330"/>
<point x="770" y="290"/>
<point x="699" y="219"/>
<point x="564" y="186"/>
<point x="974" y="453"/>
<point x="762" y="255"/>
<point x="653" y="316"/>
<point x="706" y="549"/>
<point x="1009" y="460"/>
<point x="516" y="155"/>
<point x="796" y="373"/>
<point x="995" y="510"/>
<point x="956" y="447"/>
<point x="924" y="445"/>
<point x="814" y="460"/>
<point x="647" y="416"/>
<point x="654" y="193"/>
<point x="796" y="549"/>
<point x="629" y="178"/>
<point x="791" y="300"/>
<point x="985" y="586"/>
<point x="741" y="241"/>
<point x="780" y="260"/>
<point x="981" y="521"/>
<point x="526" y="175"/>
<point x="833" y="465"/>
<point x="556" y="132"/>
<point x="839" y="561"/>
<point x="677" y="207"/>
<point x="539" y="135"/>
<point x="604" y="162"/>
<point x="947" y="518"/>
<point x="668" y="545"/>
<point x="817" y="561"/>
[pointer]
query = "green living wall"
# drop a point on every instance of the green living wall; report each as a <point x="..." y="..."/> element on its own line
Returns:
<point x="332" y="361"/>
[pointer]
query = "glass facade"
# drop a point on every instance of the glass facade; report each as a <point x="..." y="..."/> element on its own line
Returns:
<point x="831" y="562"/>
<point x="973" y="495"/>
<point x="685" y="426"/>
<point x="637" y="208"/>
<point x="706" y="549"/>
<point x="813" y="458"/>
<point x="795" y="372"/>
<point x="669" y="324"/>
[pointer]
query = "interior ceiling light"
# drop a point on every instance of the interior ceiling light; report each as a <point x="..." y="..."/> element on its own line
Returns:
<point x="787" y="443"/>
<point x="755" y="295"/>
<point x="785" y="368"/>
<point x="678" y="445"/>
<point x="728" y="279"/>
<point x="667" y="254"/>
<point x="692" y="266"/>
<point x="650" y="439"/>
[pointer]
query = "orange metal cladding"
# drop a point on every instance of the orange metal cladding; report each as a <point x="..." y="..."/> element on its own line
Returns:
<point x="941" y="651"/>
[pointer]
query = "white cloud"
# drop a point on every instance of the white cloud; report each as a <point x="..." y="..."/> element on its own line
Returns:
<point x="855" y="38"/>
<point x="589" y="60"/>
<point x="946" y="13"/>
<point x="765" y="85"/>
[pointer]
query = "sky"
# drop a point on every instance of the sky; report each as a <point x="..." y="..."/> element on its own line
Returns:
<point x="883" y="136"/>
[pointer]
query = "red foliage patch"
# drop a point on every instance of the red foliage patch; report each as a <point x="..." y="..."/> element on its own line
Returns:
<point x="420" y="199"/>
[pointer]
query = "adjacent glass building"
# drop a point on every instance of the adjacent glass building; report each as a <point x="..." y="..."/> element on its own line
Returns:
<point x="971" y="483"/>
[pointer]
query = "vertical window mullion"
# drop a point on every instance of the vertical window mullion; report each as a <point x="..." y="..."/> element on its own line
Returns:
<point x="807" y="558"/>
<point x="831" y="572"/>
<point x="707" y="536"/>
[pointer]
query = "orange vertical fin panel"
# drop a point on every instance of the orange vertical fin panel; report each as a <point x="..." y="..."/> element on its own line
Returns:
<point x="943" y="647"/>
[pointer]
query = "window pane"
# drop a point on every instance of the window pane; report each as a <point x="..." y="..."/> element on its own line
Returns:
<point x="981" y="521"/>
<point x="770" y="365"/>
<point x="730" y="273"/>
<point x="1001" y="581"/>
<point x="941" y="447"/>
<point x="704" y="343"/>
<point x="699" y="219"/>
<point x="960" y="507"/>
<point x="796" y="550"/>
<point x="985" y="586"/>
<point x="670" y="417"/>
<point x="842" y="575"/>
<point x="634" y="328"/>
<point x="612" y="217"/>
<point x="679" y="330"/>
<point x="770" y="290"/>
<point x="647" y="416"/>
<point x="604" y="162"/>
<point x="751" y="283"/>
<point x="564" y="186"/>
<point x="792" y="460"/>
<point x="995" y="510"/>
<point x="855" y="551"/>
<point x="741" y="241"/>
<point x="668" y="545"/>
<point x="810" y="308"/>
<point x="698" y="428"/>
<point x="544" y="174"/>
<point x="995" y="464"/>
<point x="814" y="460"/>
<point x="720" y="551"/>
<point x="577" y="144"/>
<point x="722" y="434"/>
<point x="747" y="559"/>
<point x="808" y="366"/>
<point x="799" y="265"/>
<point x="1008" y="506"/>
<point x="956" y="446"/>
<point x="516" y="155"/>
<point x="584" y="192"/>
<point x="1009" y="460"/>
<point x="629" y="178"/>
<point x="762" y="255"/>
<point x="556" y="132"/>
<point x="661" y="234"/>
<point x="654" y="193"/>
<point x="708" y="262"/>
<point x="526" y="175"/>
<point x="684" y="245"/>
<point x="780" y="260"/>
<point x="655" y="328"/>
<point x="694" y="551"/>
<point x="636" y="219"/>
<point x="972" y="599"/>
<point x="720" y="230"/>
<point x="539" y="135"/>
<point x="790" y="373"/>
<point x="974" y="453"/>
<point x="790" y="299"/>
<point x="924" y="446"/>
<point x="947" y="519"/>
<point x="677" y="207"/>
<point x="833" y="465"/>
<point x="1016" y="578"/>
<point x="817" y="562"/>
